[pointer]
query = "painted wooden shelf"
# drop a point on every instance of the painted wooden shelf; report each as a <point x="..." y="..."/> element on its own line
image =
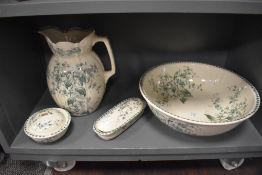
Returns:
<point x="10" y="8"/>
<point x="147" y="139"/>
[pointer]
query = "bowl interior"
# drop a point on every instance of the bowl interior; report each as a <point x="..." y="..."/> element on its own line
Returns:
<point x="199" y="92"/>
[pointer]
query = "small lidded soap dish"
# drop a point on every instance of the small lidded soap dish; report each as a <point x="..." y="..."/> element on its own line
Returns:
<point x="47" y="125"/>
<point x="119" y="118"/>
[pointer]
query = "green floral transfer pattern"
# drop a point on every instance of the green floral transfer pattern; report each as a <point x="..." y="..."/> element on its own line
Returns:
<point x="177" y="125"/>
<point x="235" y="109"/>
<point x="70" y="52"/>
<point x="176" y="86"/>
<point x="61" y="52"/>
<point x="74" y="84"/>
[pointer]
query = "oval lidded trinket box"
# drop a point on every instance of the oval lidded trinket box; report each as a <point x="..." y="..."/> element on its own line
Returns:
<point x="119" y="118"/>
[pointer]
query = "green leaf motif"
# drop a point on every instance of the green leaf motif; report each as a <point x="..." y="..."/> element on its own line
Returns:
<point x="81" y="92"/>
<point x="70" y="101"/>
<point x="82" y="79"/>
<point x="183" y="99"/>
<point x="186" y="93"/>
<point x="68" y="84"/>
<point x="210" y="117"/>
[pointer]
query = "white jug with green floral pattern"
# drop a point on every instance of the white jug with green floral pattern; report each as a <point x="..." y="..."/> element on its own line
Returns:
<point x="75" y="75"/>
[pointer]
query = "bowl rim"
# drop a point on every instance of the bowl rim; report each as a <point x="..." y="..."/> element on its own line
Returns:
<point x="256" y="95"/>
<point x="66" y="114"/>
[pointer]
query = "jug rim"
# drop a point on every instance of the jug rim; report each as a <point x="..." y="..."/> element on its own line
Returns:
<point x="88" y="32"/>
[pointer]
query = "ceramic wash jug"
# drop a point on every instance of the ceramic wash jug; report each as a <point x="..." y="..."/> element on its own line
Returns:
<point x="75" y="75"/>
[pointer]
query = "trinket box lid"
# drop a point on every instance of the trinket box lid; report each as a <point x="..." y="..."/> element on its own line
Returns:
<point x="119" y="118"/>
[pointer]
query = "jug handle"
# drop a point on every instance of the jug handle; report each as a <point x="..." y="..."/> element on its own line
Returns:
<point x="105" y="40"/>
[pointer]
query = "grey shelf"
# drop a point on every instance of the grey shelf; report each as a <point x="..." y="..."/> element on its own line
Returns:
<point x="10" y="8"/>
<point x="147" y="139"/>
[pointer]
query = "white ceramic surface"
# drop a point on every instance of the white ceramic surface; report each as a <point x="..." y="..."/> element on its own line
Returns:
<point x="47" y="125"/>
<point x="75" y="75"/>
<point x="119" y="118"/>
<point x="198" y="99"/>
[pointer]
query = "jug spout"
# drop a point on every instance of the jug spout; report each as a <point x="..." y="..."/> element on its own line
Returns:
<point x="62" y="43"/>
<point x="48" y="40"/>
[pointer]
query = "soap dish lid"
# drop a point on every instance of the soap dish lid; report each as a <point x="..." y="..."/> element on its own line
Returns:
<point x="119" y="118"/>
<point x="47" y="123"/>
